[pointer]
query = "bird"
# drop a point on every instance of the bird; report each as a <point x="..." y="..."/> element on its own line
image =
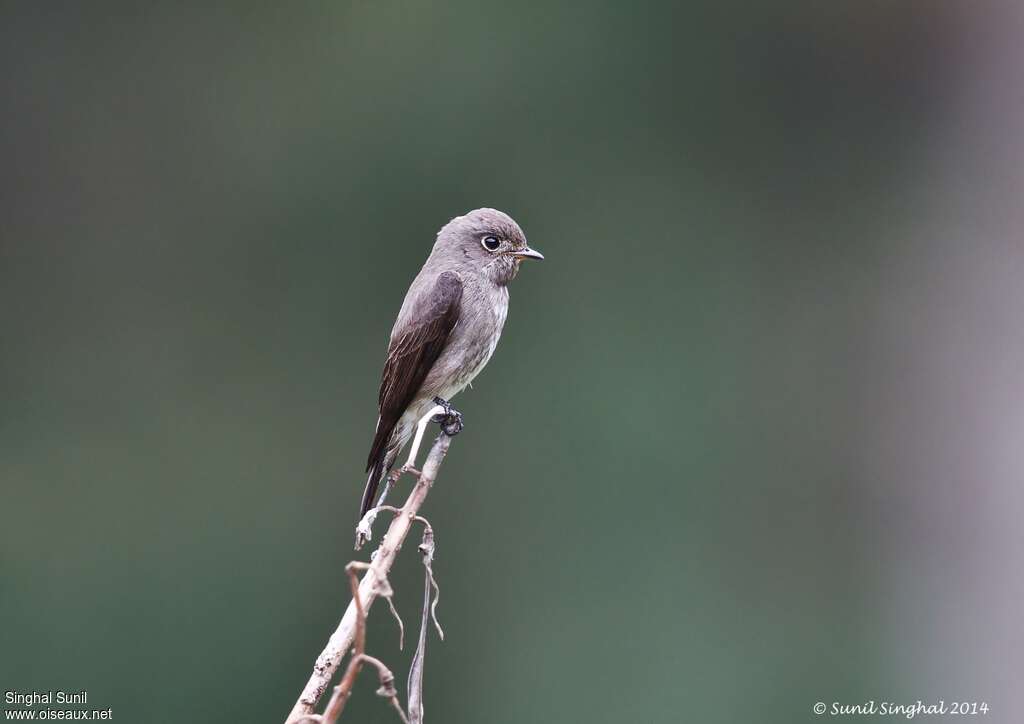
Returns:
<point x="446" y="331"/>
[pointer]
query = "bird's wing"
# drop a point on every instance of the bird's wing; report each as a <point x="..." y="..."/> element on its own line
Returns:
<point x="413" y="351"/>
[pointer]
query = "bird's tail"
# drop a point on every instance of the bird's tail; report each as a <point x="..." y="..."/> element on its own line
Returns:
<point x="372" y="482"/>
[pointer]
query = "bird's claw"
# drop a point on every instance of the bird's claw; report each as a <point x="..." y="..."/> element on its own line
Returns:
<point x="452" y="425"/>
<point x="450" y="420"/>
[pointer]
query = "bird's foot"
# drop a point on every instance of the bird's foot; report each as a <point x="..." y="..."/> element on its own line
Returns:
<point x="450" y="420"/>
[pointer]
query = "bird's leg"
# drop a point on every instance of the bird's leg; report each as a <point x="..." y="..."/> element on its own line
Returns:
<point x="421" y="427"/>
<point x="450" y="420"/>
<point x="442" y="413"/>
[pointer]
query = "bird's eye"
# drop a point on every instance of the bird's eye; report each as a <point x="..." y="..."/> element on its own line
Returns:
<point x="491" y="243"/>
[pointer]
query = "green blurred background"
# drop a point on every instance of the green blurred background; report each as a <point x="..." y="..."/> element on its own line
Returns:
<point x="752" y="437"/>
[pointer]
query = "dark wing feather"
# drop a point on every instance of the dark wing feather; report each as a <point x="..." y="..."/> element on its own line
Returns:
<point x="411" y="355"/>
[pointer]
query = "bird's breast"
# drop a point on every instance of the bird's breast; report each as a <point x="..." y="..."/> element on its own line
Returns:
<point x="476" y="337"/>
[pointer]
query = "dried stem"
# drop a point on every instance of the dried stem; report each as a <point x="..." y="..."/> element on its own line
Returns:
<point x="344" y="688"/>
<point x="366" y="592"/>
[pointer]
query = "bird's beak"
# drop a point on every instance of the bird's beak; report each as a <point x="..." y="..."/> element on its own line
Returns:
<point x="527" y="253"/>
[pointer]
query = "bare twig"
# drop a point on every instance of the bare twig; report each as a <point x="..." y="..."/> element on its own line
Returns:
<point x="364" y="530"/>
<point x="414" y="689"/>
<point x="344" y="688"/>
<point x="387" y="685"/>
<point x="401" y="626"/>
<point x="371" y="586"/>
<point x="427" y="551"/>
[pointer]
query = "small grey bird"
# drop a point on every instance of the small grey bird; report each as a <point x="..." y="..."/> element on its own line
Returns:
<point x="446" y="331"/>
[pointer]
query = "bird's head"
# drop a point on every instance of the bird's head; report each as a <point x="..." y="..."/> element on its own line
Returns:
<point x="488" y="242"/>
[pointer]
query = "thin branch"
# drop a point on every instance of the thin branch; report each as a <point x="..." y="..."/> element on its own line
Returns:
<point x="387" y="685"/>
<point x="427" y="551"/>
<point x="344" y="688"/>
<point x="414" y="687"/>
<point x="367" y="591"/>
<point x="401" y="625"/>
<point x="364" y="530"/>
